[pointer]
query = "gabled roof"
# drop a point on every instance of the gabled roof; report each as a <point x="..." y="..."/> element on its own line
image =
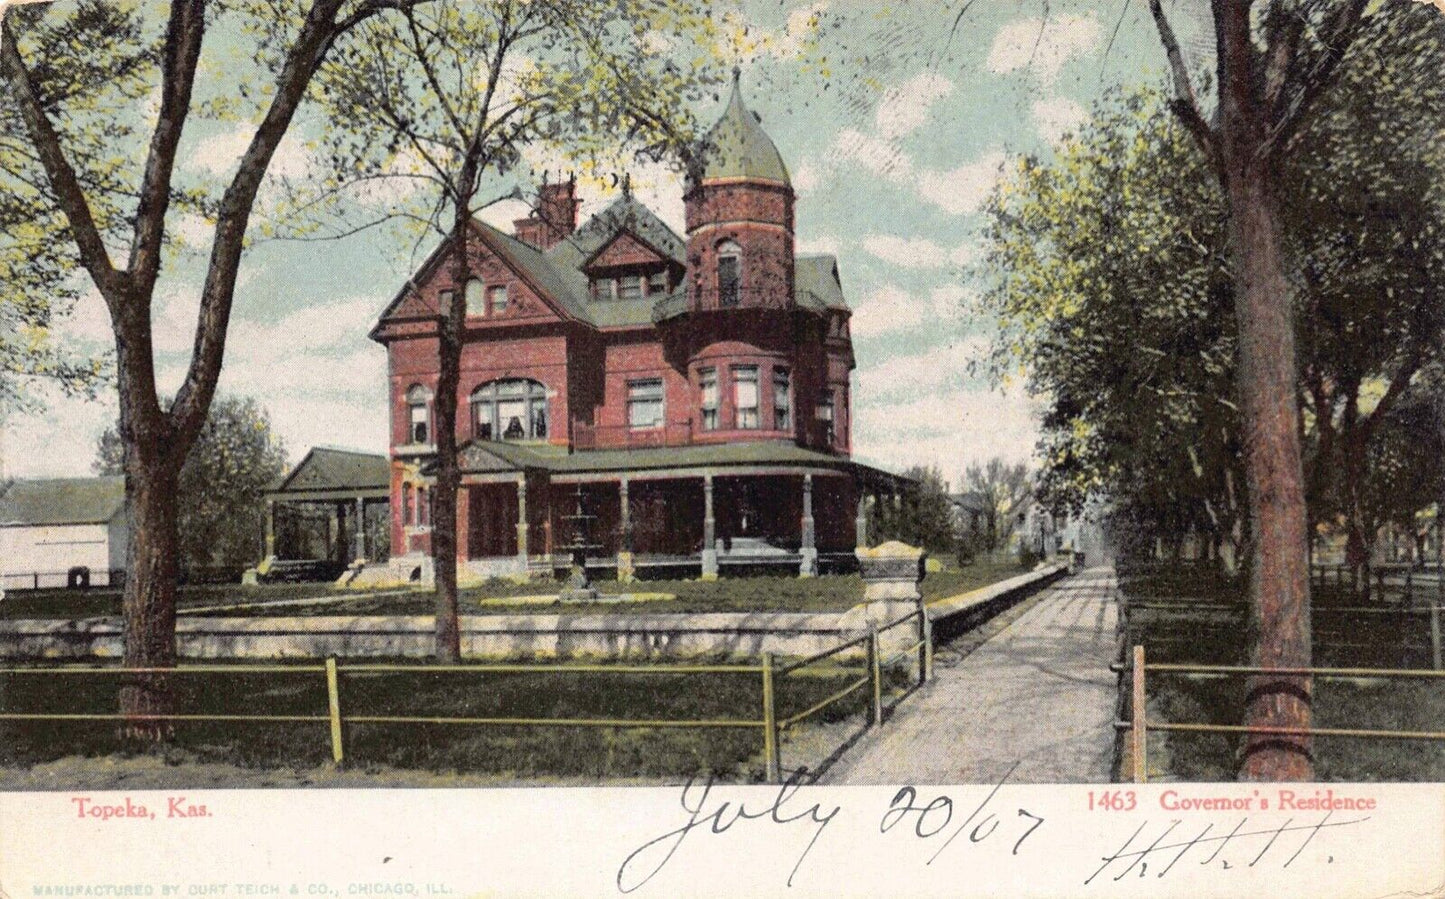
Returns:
<point x="56" y="501"/>
<point x="738" y="147"/>
<point x="623" y="214"/>
<point x="330" y="468"/>
<point x="818" y="276"/>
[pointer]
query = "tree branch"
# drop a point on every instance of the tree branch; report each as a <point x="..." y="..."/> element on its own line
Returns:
<point x="1316" y="76"/>
<point x="178" y="73"/>
<point x="63" y="180"/>
<point x="1185" y="105"/>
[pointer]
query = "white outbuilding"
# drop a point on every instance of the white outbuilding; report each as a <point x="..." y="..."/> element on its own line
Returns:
<point x="63" y="532"/>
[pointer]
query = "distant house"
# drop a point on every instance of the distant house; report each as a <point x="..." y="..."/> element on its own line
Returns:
<point x="970" y="512"/>
<point x="61" y="532"/>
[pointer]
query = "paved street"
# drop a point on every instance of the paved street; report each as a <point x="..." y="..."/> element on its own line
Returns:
<point x="1039" y="693"/>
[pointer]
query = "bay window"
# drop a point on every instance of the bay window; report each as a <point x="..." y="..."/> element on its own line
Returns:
<point x="707" y="386"/>
<point x="745" y="396"/>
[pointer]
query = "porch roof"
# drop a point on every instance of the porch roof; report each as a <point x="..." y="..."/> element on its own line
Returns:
<point x="479" y="457"/>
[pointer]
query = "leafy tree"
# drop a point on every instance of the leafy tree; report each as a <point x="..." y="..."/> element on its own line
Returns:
<point x="1005" y="489"/>
<point x="110" y="176"/>
<point x="1284" y="80"/>
<point x="460" y="89"/>
<point x="222" y="511"/>
<point x="924" y="516"/>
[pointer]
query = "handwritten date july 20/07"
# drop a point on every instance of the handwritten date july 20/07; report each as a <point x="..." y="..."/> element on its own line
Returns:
<point x="908" y="813"/>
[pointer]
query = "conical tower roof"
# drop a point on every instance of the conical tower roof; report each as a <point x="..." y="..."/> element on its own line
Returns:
<point x="738" y="147"/>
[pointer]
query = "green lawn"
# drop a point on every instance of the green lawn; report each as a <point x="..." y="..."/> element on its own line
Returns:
<point x="830" y="593"/>
<point x="1341" y="639"/>
<point x="522" y="752"/>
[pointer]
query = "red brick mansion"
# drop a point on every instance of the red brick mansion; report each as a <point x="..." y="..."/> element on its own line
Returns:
<point x="694" y="389"/>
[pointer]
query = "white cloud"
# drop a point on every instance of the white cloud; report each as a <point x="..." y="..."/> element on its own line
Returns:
<point x="220" y="153"/>
<point x="820" y="243"/>
<point x="915" y="252"/>
<point x="878" y="156"/>
<point x="946" y="427"/>
<point x="1056" y="116"/>
<point x="963" y="190"/>
<point x="890" y="309"/>
<point x="904" y="107"/>
<point x="1043" y="47"/>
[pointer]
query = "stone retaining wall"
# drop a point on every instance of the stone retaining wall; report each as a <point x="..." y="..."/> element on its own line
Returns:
<point x="660" y="635"/>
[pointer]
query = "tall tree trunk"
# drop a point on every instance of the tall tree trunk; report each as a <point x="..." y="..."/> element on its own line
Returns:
<point x="1279" y="577"/>
<point x="152" y="464"/>
<point x="444" y="513"/>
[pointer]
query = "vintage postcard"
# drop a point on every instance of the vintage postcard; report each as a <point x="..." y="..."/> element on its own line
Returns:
<point x="672" y="447"/>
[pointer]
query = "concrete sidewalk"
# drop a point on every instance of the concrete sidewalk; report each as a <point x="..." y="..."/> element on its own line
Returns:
<point x="1040" y="693"/>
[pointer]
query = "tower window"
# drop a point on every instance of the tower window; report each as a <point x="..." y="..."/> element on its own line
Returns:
<point x="707" y="386"/>
<point x="825" y="415"/>
<point x="729" y="273"/>
<point x="745" y="396"/>
<point x="782" y="400"/>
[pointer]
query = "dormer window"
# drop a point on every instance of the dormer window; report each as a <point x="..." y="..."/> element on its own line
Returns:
<point x="729" y="273"/>
<point x="629" y="287"/>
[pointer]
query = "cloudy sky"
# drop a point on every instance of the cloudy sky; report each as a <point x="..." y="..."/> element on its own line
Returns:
<point x="891" y="160"/>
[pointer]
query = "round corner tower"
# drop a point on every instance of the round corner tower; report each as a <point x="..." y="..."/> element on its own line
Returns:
<point x="739" y="217"/>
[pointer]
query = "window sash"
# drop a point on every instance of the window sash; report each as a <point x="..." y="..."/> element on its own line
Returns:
<point x="728" y="280"/>
<point x="629" y="287"/>
<point x="497" y="298"/>
<point x="745" y="396"/>
<point x="419" y="422"/>
<point x="782" y="399"/>
<point x="476" y="298"/>
<point x="644" y="404"/>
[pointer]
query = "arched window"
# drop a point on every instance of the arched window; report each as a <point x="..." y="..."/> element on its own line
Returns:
<point x="729" y="273"/>
<point x="476" y="298"/>
<point x="514" y="409"/>
<point x="418" y="409"/>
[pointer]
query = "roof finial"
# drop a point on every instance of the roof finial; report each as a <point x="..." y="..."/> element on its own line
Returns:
<point x="627" y="184"/>
<point x="737" y="73"/>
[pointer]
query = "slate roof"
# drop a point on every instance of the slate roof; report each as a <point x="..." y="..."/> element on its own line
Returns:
<point x="818" y="276"/>
<point x="332" y="468"/>
<point x="738" y="147"/>
<point x="623" y="214"/>
<point x="54" y="501"/>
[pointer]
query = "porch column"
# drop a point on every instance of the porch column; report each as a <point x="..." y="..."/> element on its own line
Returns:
<point x="270" y="529"/>
<point x="522" y="524"/>
<point x="360" y="528"/>
<point x="709" y="532"/>
<point x="333" y="534"/>
<point x="626" y="572"/>
<point x="809" y="564"/>
<point x="860" y="519"/>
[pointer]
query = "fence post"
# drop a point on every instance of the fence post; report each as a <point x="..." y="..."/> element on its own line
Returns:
<point x="875" y="672"/>
<point x="770" y="724"/>
<point x="1435" y="634"/>
<point x="923" y="641"/>
<point x="1141" y="742"/>
<point x="333" y="700"/>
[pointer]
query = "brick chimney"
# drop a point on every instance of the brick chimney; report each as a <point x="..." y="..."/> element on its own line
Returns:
<point x="555" y="217"/>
